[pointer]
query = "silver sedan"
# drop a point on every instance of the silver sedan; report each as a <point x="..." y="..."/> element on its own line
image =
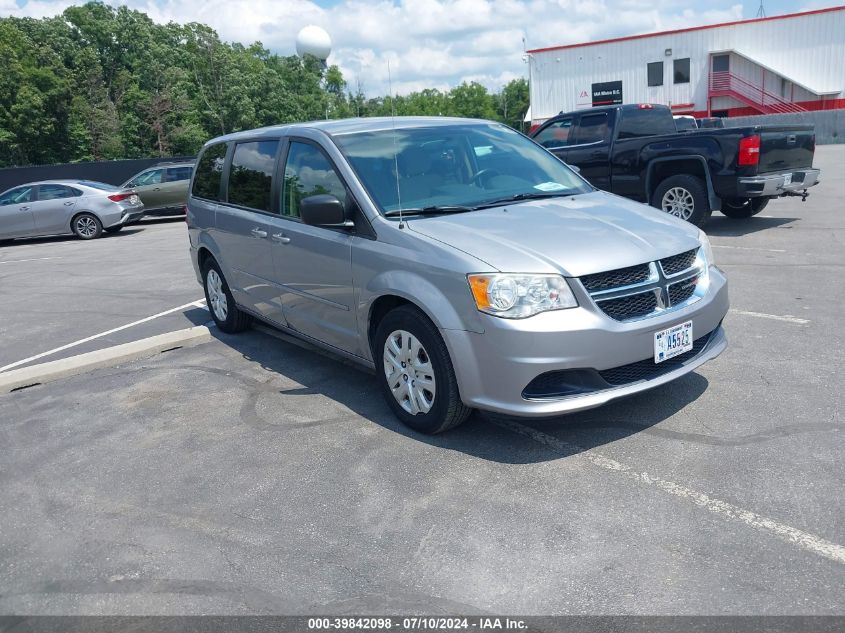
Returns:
<point x="55" y="207"/>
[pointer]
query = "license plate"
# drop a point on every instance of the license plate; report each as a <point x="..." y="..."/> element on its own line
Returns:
<point x="673" y="341"/>
<point x="787" y="180"/>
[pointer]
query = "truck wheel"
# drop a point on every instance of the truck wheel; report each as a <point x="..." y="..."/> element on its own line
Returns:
<point x="741" y="208"/>
<point x="415" y="372"/>
<point x="684" y="197"/>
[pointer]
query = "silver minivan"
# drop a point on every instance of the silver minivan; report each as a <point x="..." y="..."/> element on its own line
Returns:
<point x="465" y="264"/>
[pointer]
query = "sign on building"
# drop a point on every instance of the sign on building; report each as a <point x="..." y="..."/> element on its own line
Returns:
<point x="607" y="93"/>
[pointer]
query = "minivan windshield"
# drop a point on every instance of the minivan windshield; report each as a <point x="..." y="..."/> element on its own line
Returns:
<point x="454" y="168"/>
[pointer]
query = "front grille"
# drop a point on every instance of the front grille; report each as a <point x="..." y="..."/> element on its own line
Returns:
<point x="678" y="263"/>
<point x="630" y="307"/>
<point x="616" y="278"/>
<point x="681" y="291"/>
<point x="647" y="369"/>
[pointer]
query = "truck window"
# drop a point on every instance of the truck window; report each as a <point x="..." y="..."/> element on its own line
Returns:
<point x="556" y="134"/>
<point x="645" y="122"/>
<point x="592" y="128"/>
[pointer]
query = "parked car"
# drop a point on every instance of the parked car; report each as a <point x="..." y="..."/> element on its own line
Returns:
<point x="635" y="151"/>
<point x="684" y="122"/>
<point x="465" y="264"/>
<point x="83" y="207"/>
<point x="163" y="188"/>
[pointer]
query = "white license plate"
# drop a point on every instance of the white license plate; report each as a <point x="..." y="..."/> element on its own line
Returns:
<point x="673" y="341"/>
<point x="787" y="180"/>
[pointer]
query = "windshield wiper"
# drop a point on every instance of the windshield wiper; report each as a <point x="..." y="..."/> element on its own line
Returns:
<point x="432" y="210"/>
<point x="530" y="195"/>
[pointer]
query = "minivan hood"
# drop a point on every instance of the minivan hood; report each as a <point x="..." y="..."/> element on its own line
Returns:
<point x="574" y="236"/>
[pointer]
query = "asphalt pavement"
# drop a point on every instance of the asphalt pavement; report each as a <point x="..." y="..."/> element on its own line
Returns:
<point x="255" y="475"/>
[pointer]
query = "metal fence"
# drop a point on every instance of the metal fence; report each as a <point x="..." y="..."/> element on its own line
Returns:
<point x="830" y="124"/>
<point x="113" y="172"/>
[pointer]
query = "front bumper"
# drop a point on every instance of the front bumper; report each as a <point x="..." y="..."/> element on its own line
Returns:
<point x="494" y="368"/>
<point x="774" y="184"/>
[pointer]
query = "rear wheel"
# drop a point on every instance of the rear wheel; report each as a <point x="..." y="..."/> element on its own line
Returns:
<point x="685" y="197"/>
<point x="741" y="208"/>
<point x="87" y="226"/>
<point x="415" y="372"/>
<point x="226" y="314"/>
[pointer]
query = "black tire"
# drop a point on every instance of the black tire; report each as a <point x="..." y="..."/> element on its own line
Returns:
<point x="742" y="208"/>
<point x="696" y="188"/>
<point x="236" y="320"/>
<point x="113" y="229"/>
<point x="447" y="410"/>
<point x="86" y="226"/>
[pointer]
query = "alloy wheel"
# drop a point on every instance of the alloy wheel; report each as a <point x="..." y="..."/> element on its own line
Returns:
<point x="86" y="226"/>
<point x="409" y="372"/>
<point x="216" y="295"/>
<point x="679" y="202"/>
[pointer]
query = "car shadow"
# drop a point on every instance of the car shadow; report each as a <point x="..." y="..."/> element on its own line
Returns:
<point x="55" y="239"/>
<point x="495" y="438"/>
<point x="723" y="226"/>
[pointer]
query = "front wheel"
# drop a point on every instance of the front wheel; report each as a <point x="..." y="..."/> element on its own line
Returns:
<point x="226" y="314"/>
<point x="684" y="197"/>
<point x="416" y="374"/>
<point x="87" y="226"/>
<point x="741" y="208"/>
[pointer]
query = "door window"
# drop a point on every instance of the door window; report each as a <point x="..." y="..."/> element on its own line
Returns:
<point x="209" y="172"/>
<point x="251" y="175"/>
<point x="175" y="174"/>
<point x="592" y="128"/>
<point x="17" y="195"/>
<point x="152" y="177"/>
<point x="721" y="63"/>
<point x="54" y="192"/>
<point x="555" y="135"/>
<point x="308" y="172"/>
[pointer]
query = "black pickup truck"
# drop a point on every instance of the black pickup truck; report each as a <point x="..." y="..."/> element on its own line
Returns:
<point x="635" y="151"/>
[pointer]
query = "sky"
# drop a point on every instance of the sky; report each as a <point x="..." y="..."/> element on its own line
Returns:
<point x="433" y="43"/>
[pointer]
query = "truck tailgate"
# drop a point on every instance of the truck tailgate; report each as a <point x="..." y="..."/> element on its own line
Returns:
<point x="786" y="147"/>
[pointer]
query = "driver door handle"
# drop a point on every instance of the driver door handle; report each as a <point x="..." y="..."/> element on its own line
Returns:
<point x="281" y="238"/>
<point x="256" y="232"/>
<point x="69" y="204"/>
<point x="24" y="208"/>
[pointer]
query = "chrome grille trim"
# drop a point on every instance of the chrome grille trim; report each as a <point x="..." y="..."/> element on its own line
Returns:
<point x="664" y="288"/>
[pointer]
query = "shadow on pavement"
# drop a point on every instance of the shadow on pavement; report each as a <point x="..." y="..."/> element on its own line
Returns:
<point x="130" y="230"/>
<point x="723" y="226"/>
<point x="483" y="436"/>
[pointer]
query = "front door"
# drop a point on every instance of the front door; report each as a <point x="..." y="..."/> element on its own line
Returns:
<point x="314" y="264"/>
<point x="16" y="218"/>
<point x="53" y="210"/>
<point x="151" y="188"/>
<point x="591" y="149"/>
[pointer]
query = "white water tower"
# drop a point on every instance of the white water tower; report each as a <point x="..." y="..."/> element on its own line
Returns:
<point x="312" y="40"/>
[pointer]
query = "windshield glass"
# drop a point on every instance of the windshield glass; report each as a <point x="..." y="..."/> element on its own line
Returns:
<point x="448" y="165"/>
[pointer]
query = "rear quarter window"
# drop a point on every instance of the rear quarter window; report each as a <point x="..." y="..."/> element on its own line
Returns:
<point x="209" y="172"/>
<point x="636" y="123"/>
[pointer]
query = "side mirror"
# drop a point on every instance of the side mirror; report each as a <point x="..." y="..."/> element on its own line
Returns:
<point x="324" y="210"/>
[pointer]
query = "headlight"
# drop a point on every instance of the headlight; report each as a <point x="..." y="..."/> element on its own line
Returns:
<point x="706" y="252"/>
<point x="520" y="296"/>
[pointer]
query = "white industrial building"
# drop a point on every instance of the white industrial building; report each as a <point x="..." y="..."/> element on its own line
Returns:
<point x="779" y="64"/>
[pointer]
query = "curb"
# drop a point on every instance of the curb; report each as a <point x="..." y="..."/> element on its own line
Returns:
<point x="108" y="357"/>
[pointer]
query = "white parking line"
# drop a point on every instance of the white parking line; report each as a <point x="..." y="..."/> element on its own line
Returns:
<point x="723" y="509"/>
<point x="788" y="318"/>
<point x="200" y="303"/>
<point x="34" y="259"/>
<point x="749" y="248"/>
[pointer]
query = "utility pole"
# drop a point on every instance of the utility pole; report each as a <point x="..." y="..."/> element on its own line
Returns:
<point x="761" y="12"/>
